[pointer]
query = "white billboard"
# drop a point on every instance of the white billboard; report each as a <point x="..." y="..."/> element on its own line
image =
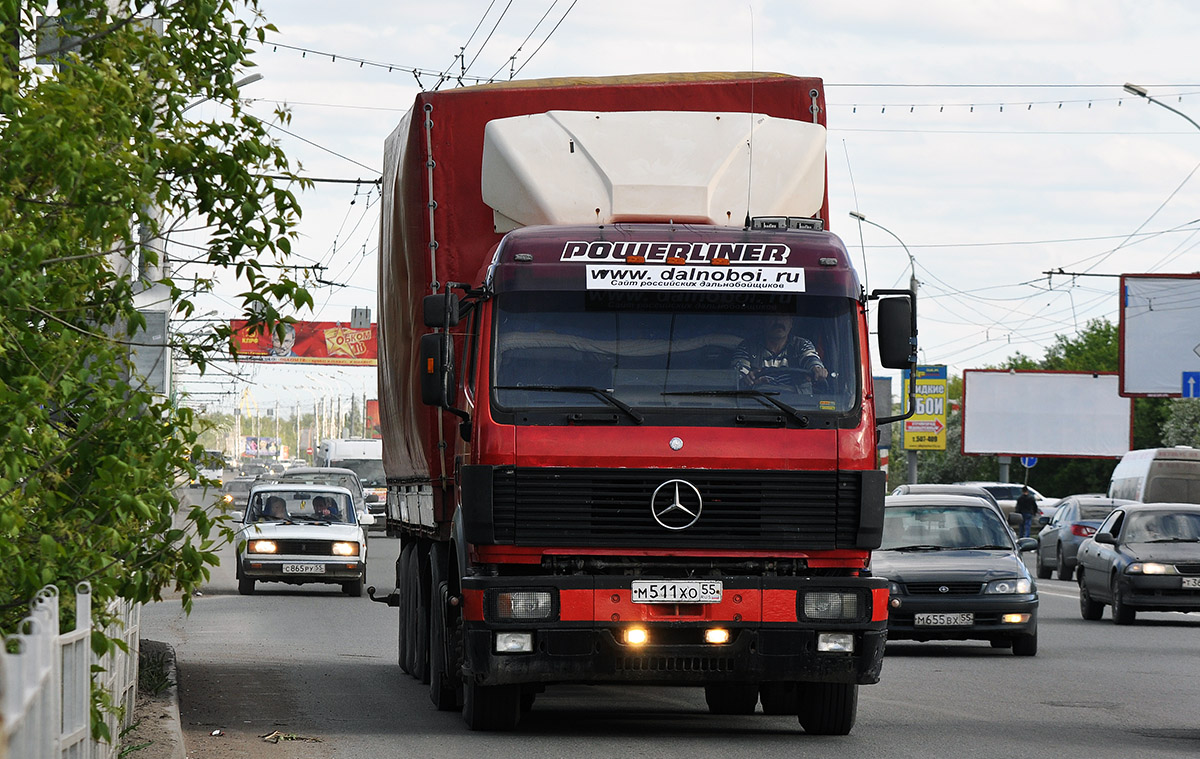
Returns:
<point x="1037" y="413"/>
<point x="1160" y="335"/>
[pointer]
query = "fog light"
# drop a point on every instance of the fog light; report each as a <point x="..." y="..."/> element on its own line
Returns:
<point x="830" y="605"/>
<point x="716" y="636"/>
<point x="524" y="604"/>
<point x="835" y="643"/>
<point x="514" y="643"/>
<point x="1015" y="619"/>
<point x="636" y="636"/>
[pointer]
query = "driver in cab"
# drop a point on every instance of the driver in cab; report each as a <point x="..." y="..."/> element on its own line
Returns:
<point x="776" y="357"/>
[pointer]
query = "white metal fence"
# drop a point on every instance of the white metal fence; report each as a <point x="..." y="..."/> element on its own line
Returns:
<point x="46" y="685"/>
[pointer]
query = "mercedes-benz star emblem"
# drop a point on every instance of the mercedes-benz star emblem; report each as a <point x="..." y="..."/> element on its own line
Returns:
<point x="676" y="504"/>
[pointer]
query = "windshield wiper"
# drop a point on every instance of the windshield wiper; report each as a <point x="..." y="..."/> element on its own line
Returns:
<point x="1171" y="540"/>
<point x="922" y="547"/>
<point x="985" y="548"/>
<point x="757" y="394"/>
<point x="601" y="393"/>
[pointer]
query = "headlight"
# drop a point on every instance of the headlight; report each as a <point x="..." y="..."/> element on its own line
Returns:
<point x="345" y="549"/>
<point x="829" y="604"/>
<point x="227" y="498"/>
<point x="1016" y="585"/>
<point x="523" y="604"/>
<point x="263" y="546"/>
<point x="1150" y="568"/>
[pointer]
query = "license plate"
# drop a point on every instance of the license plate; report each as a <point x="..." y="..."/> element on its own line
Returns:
<point x="1191" y="582"/>
<point x="304" y="569"/>
<point x="945" y="620"/>
<point x="676" y="591"/>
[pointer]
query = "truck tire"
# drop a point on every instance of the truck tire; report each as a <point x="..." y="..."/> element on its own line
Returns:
<point x="827" y="708"/>
<point x="731" y="698"/>
<point x="402" y="592"/>
<point x="491" y="707"/>
<point x="420" y="623"/>
<point x="411" y="601"/>
<point x="779" y="698"/>
<point x="442" y="690"/>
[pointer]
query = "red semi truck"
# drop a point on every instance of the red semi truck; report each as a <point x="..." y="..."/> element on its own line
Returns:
<point x="625" y="397"/>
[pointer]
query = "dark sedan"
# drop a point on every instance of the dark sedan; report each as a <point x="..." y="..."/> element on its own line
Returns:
<point x="1143" y="557"/>
<point x="956" y="573"/>
<point x="1076" y="519"/>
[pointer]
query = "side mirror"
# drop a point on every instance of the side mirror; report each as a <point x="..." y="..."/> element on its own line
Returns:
<point x="440" y="310"/>
<point x="1026" y="544"/>
<point x="1014" y="519"/>
<point x="1043" y="520"/>
<point x="437" y="369"/>
<point x="1105" y="537"/>
<point x="897" y="333"/>
<point x="237" y="516"/>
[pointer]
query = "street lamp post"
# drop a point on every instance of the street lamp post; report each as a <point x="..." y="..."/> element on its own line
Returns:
<point x="911" y="456"/>
<point x="1141" y="92"/>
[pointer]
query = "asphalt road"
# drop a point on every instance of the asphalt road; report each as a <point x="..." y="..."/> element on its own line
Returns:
<point x="313" y="664"/>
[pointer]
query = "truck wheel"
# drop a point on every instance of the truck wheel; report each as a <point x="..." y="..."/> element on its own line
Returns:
<point x="491" y="707"/>
<point x="731" y="698"/>
<point x="442" y="692"/>
<point x="402" y="592"/>
<point x="827" y="708"/>
<point x="1088" y="609"/>
<point x="420" y="627"/>
<point x="779" y="698"/>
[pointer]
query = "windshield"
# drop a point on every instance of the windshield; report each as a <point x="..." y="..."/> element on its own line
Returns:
<point x="658" y="352"/>
<point x="1162" y="526"/>
<point x="300" y="506"/>
<point x="938" y="527"/>
<point x="1006" y="492"/>
<point x="1095" y="513"/>
<point x="369" y="471"/>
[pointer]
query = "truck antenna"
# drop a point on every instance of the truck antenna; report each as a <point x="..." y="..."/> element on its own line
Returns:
<point x="750" y="137"/>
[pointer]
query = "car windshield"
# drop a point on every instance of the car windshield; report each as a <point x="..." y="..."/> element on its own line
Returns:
<point x="636" y="352"/>
<point x="300" y="506"/>
<point x="1159" y="526"/>
<point x="939" y="527"/>
<point x="369" y="471"/>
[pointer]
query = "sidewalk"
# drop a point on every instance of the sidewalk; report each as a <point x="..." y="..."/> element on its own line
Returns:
<point x="156" y="731"/>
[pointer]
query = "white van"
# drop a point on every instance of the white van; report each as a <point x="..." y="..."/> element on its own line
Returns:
<point x="1158" y="475"/>
<point x="364" y="456"/>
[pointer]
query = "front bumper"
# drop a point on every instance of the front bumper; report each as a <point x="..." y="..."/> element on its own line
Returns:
<point x="989" y="611"/>
<point x="1159" y="593"/>
<point x="584" y="641"/>
<point x="333" y="569"/>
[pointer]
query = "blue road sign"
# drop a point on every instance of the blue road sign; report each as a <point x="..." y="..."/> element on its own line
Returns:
<point x="1028" y="461"/>
<point x="1191" y="384"/>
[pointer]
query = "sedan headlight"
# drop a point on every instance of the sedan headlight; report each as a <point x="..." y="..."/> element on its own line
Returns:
<point x="345" y="549"/>
<point x="1015" y="585"/>
<point x="1150" y="568"/>
<point x="263" y="546"/>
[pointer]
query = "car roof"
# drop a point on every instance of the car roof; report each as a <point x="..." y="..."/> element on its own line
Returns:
<point x="1092" y="499"/>
<point x="937" y="499"/>
<point x="299" y="487"/>
<point x="300" y="470"/>
<point x="1134" y="507"/>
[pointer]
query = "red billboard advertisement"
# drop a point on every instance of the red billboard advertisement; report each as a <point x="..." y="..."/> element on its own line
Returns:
<point x="373" y="419"/>
<point x="308" y="343"/>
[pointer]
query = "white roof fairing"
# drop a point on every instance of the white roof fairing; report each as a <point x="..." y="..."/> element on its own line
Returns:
<point x="583" y="167"/>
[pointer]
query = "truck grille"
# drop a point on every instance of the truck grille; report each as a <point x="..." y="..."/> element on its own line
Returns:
<point x="741" y="509"/>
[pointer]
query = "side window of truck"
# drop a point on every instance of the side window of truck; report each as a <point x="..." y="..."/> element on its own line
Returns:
<point x="470" y="349"/>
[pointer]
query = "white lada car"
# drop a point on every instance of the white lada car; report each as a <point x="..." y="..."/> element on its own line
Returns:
<point x="297" y="533"/>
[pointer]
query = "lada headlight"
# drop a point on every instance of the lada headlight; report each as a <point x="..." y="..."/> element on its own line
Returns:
<point x="344" y="549"/>
<point x="263" y="546"/>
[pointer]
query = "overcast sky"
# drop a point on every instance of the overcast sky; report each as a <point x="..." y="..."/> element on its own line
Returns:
<point x="992" y="137"/>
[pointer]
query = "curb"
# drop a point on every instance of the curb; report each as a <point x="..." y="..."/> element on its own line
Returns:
<point x="168" y="742"/>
